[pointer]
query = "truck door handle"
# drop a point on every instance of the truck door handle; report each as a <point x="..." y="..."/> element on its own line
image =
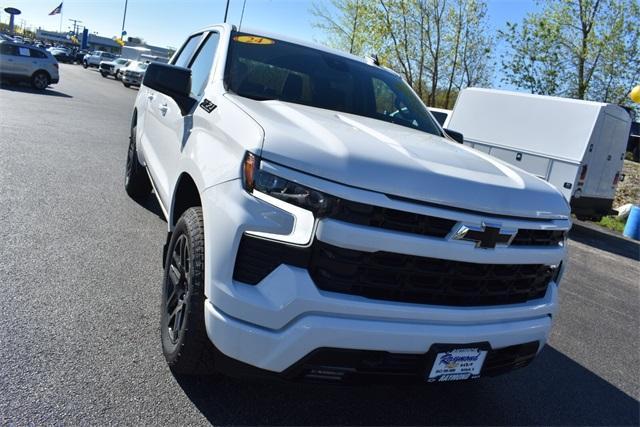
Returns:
<point x="163" y="109"/>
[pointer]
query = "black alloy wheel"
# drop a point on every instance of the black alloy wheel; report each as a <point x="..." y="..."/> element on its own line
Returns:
<point x="40" y="80"/>
<point x="185" y="343"/>
<point x="177" y="286"/>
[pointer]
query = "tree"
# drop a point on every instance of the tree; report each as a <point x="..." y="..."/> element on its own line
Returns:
<point x="343" y="31"/>
<point x="585" y="49"/>
<point x="439" y="46"/>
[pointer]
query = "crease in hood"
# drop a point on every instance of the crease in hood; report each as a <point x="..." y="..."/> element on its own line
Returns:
<point x="398" y="161"/>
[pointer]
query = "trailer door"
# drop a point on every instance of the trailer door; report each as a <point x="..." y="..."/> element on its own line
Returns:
<point x="613" y="139"/>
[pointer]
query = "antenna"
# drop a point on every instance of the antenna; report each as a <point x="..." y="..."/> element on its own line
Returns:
<point x="226" y="11"/>
<point x="244" y="3"/>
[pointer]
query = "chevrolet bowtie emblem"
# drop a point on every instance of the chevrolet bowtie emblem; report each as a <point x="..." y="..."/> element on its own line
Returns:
<point x="486" y="236"/>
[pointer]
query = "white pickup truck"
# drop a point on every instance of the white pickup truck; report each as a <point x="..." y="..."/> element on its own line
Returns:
<point x="94" y="59"/>
<point x="323" y="226"/>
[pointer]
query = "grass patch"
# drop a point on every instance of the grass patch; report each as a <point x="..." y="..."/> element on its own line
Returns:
<point x="613" y="223"/>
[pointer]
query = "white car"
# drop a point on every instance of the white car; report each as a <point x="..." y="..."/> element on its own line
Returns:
<point x="132" y="74"/>
<point x="313" y="235"/>
<point x="19" y="62"/>
<point x="114" y="68"/>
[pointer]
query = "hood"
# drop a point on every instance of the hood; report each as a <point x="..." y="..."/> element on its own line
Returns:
<point x="398" y="161"/>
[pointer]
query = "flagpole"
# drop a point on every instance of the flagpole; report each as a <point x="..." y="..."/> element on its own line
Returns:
<point x="61" y="13"/>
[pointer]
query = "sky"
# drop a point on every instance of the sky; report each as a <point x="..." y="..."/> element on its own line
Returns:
<point x="167" y="23"/>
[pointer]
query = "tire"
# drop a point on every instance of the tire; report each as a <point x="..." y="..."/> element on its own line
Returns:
<point x="105" y="75"/>
<point x="117" y="76"/>
<point x="84" y="64"/>
<point x="185" y="343"/>
<point x="136" y="180"/>
<point x="40" y="80"/>
<point x="126" y="84"/>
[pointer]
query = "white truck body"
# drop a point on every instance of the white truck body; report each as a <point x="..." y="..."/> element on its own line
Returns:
<point x="405" y="241"/>
<point x="578" y="146"/>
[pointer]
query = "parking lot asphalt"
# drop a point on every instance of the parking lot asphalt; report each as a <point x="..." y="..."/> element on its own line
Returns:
<point x="80" y="279"/>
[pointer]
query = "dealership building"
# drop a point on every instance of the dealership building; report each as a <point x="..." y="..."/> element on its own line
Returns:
<point x="95" y="42"/>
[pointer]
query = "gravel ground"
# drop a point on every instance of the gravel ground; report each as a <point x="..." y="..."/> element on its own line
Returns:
<point x="80" y="273"/>
<point x="628" y="191"/>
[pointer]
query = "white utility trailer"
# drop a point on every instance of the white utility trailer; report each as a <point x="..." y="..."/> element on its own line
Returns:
<point x="578" y="146"/>
<point x="441" y="115"/>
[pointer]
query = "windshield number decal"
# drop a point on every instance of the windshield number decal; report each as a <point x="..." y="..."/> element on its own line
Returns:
<point x="253" y="40"/>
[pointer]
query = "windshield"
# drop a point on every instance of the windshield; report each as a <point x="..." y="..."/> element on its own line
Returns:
<point x="143" y="66"/>
<point x="265" y="69"/>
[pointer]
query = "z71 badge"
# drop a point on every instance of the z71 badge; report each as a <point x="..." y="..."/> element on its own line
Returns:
<point x="207" y="105"/>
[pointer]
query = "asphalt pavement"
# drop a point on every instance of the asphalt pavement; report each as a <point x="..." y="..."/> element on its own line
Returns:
<point x="80" y="275"/>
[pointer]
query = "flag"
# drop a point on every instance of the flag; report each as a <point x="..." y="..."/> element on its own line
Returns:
<point x="57" y="10"/>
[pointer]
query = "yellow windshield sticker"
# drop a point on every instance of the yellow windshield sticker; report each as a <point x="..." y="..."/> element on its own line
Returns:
<point x="253" y="40"/>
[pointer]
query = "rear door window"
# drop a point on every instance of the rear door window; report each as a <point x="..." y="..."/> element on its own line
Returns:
<point x="8" y="49"/>
<point x="184" y="57"/>
<point x="37" y="54"/>
<point x="24" y="51"/>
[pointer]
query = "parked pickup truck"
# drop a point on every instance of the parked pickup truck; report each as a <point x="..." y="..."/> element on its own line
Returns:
<point x="95" y="58"/>
<point x="323" y="226"/>
<point x="113" y="68"/>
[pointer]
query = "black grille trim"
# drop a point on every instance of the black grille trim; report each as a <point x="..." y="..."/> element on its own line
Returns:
<point x="257" y="258"/>
<point x="526" y="237"/>
<point x="426" y="225"/>
<point x="344" y="365"/>
<point x="406" y="278"/>
<point x="395" y="277"/>
<point x="391" y="219"/>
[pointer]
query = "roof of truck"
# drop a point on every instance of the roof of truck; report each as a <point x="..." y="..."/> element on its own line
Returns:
<point x="284" y="38"/>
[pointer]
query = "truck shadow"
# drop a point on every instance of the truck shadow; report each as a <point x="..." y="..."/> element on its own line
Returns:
<point x="604" y="241"/>
<point x="554" y="390"/>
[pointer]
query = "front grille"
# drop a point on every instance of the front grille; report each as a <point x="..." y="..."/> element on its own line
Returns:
<point x="391" y="219"/>
<point x="106" y="67"/>
<point x="395" y="277"/>
<point x="345" y="365"/>
<point x="407" y="278"/>
<point x="539" y="238"/>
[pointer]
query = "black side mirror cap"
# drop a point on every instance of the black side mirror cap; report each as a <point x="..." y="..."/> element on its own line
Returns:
<point x="172" y="81"/>
<point x="456" y="136"/>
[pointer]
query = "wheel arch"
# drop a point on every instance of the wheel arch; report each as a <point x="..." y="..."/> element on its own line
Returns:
<point x="185" y="195"/>
<point x="41" y="70"/>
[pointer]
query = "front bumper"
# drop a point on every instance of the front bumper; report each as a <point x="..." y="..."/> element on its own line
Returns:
<point x="283" y="319"/>
<point x="132" y="80"/>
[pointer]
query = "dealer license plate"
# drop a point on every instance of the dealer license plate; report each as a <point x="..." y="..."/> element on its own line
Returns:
<point x="457" y="364"/>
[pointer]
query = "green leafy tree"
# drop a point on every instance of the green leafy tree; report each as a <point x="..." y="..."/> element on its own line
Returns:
<point x="585" y="49"/>
<point x="439" y="46"/>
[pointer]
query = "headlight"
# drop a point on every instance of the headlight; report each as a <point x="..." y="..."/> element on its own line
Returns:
<point x="306" y="198"/>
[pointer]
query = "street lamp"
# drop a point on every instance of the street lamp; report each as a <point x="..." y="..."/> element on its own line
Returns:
<point x="12" y="11"/>
<point x="124" y="18"/>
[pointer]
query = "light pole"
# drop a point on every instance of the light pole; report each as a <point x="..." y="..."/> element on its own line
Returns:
<point x="76" y="25"/>
<point x="124" y="18"/>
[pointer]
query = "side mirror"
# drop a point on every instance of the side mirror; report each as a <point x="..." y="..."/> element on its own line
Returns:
<point x="172" y="81"/>
<point x="456" y="136"/>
